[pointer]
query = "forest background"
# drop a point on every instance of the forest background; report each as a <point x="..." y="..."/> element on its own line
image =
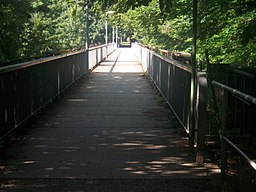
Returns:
<point x="227" y="28"/>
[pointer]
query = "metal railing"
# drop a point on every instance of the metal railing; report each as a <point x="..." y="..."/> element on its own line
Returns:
<point x="173" y="80"/>
<point x="25" y="88"/>
<point x="223" y="135"/>
<point x="97" y="54"/>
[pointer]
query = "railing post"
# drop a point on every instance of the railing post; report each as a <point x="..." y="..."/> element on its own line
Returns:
<point x="223" y="132"/>
<point x="201" y="106"/>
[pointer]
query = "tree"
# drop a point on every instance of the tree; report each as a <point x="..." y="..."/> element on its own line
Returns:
<point x="227" y="30"/>
<point x="13" y="15"/>
<point x="167" y="31"/>
<point x="122" y="6"/>
<point x="54" y="26"/>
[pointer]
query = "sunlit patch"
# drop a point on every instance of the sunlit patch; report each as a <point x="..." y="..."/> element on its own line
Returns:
<point x="90" y="87"/>
<point x="217" y="170"/>
<point x="127" y="69"/>
<point x="128" y="169"/>
<point x="157" y="166"/>
<point x="10" y="185"/>
<point x="49" y="169"/>
<point x="212" y="168"/>
<point x="77" y="100"/>
<point x="151" y="146"/>
<point x="171" y="159"/>
<point x="132" y="162"/>
<point x="189" y="164"/>
<point x="29" y="162"/>
<point x="139" y="172"/>
<point x="127" y="144"/>
<point x="42" y="138"/>
<point x="130" y="133"/>
<point x="158" y="162"/>
<point x="152" y="168"/>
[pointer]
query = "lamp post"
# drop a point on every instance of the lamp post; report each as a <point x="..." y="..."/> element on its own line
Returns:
<point x="113" y="34"/>
<point x="106" y="26"/>
<point x="87" y="28"/>
<point x="106" y="32"/>
<point x="116" y="36"/>
<point x="193" y="78"/>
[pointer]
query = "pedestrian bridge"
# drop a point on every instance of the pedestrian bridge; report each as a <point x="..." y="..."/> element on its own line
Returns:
<point x="95" y="120"/>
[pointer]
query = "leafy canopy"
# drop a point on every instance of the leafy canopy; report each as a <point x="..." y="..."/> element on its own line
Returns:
<point x="227" y="28"/>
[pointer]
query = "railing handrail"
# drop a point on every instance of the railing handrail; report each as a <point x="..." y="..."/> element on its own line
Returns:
<point x="245" y="97"/>
<point x="250" y="161"/>
<point x="240" y="94"/>
<point x="100" y="46"/>
<point x="37" y="61"/>
<point x="246" y="74"/>
<point x="178" y="64"/>
<point x="26" y="64"/>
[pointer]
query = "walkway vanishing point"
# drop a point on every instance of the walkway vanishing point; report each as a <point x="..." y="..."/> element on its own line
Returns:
<point x="111" y="132"/>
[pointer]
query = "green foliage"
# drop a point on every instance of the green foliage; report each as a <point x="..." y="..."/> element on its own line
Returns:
<point x="144" y="22"/>
<point x="150" y="26"/>
<point x="13" y="14"/>
<point x="123" y="5"/>
<point x="227" y="28"/>
<point x="37" y="27"/>
<point x="53" y="26"/>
